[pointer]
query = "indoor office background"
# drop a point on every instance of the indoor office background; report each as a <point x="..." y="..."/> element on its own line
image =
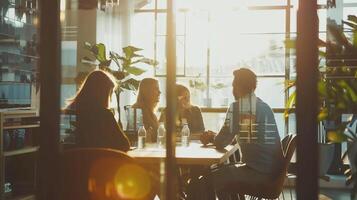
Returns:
<point x="213" y="38"/>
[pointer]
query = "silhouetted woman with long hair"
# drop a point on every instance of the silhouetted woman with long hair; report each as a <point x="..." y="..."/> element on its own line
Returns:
<point x="186" y="113"/>
<point x="147" y="100"/>
<point x="96" y="125"/>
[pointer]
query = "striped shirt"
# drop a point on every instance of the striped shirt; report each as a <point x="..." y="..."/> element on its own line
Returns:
<point x="253" y="126"/>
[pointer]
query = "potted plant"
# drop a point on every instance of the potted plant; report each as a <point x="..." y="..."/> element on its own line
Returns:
<point x="124" y="69"/>
<point x="337" y="85"/>
<point x="343" y="53"/>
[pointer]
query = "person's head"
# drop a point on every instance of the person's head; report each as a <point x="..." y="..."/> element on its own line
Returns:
<point x="149" y="93"/>
<point x="183" y="97"/>
<point x="244" y="82"/>
<point x="95" y="91"/>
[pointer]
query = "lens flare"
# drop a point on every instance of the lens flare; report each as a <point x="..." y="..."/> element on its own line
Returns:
<point x="132" y="182"/>
<point x="113" y="179"/>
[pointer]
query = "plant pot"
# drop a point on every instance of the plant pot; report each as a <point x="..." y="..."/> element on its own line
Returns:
<point x="326" y="152"/>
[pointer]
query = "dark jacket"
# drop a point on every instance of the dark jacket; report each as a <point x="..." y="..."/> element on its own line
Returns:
<point x="98" y="128"/>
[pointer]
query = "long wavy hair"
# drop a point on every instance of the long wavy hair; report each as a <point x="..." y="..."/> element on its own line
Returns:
<point x="95" y="92"/>
<point x="180" y="90"/>
<point x="146" y="103"/>
<point x="144" y="98"/>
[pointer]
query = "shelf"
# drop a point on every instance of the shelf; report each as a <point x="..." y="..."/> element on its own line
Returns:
<point x="22" y="55"/>
<point x="22" y="126"/>
<point x="23" y="197"/>
<point x="19" y="113"/>
<point x="21" y="151"/>
<point x="8" y="41"/>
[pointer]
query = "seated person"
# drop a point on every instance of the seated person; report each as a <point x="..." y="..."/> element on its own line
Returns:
<point x="187" y="113"/>
<point x="147" y="100"/>
<point x="95" y="123"/>
<point x="261" y="149"/>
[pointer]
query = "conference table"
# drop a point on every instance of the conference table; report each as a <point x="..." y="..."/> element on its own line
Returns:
<point x="194" y="154"/>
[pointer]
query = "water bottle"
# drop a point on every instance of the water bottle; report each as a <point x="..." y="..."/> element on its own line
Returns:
<point x="185" y="135"/>
<point x="141" y="137"/>
<point x="161" y="133"/>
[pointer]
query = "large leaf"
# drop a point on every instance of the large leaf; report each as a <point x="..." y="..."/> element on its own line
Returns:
<point x="148" y="61"/>
<point x="130" y="84"/>
<point x="101" y="55"/>
<point x="129" y="52"/>
<point x="126" y="63"/>
<point x="336" y="136"/>
<point x="87" y="60"/>
<point x="290" y="103"/>
<point x="352" y="25"/>
<point x="115" y="57"/>
<point x="323" y="114"/>
<point x="134" y="70"/>
<point x="291" y="100"/>
<point x="352" y="18"/>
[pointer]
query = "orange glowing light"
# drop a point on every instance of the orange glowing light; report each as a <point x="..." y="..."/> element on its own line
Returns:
<point x="132" y="182"/>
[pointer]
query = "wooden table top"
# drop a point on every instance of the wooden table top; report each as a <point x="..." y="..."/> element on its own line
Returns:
<point x="194" y="154"/>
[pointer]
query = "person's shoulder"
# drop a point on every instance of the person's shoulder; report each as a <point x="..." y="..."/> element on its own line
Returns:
<point x="261" y="105"/>
<point x="260" y="102"/>
<point x="195" y="108"/>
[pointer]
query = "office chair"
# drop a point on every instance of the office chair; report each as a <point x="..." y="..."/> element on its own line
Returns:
<point x="103" y="174"/>
<point x="271" y="186"/>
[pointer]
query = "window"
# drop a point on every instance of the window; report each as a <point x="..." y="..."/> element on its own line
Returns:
<point x="213" y="40"/>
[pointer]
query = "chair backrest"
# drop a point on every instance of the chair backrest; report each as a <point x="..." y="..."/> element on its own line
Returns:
<point x="275" y="188"/>
<point x="102" y="174"/>
<point x="271" y="185"/>
<point x="285" y="143"/>
<point x="289" y="147"/>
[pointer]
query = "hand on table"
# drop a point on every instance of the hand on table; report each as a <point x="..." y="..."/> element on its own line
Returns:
<point x="207" y="137"/>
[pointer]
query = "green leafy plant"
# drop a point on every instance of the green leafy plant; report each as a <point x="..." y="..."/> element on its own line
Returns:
<point x="197" y="83"/>
<point x="337" y="85"/>
<point x="125" y="66"/>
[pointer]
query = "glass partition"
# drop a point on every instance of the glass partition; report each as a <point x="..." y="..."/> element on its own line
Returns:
<point x="132" y="41"/>
<point x="106" y="36"/>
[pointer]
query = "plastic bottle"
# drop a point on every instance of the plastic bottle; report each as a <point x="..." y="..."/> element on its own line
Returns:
<point x="161" y="135"/>
<point x="141" y="137"/>
<point x="185" y="135"/>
